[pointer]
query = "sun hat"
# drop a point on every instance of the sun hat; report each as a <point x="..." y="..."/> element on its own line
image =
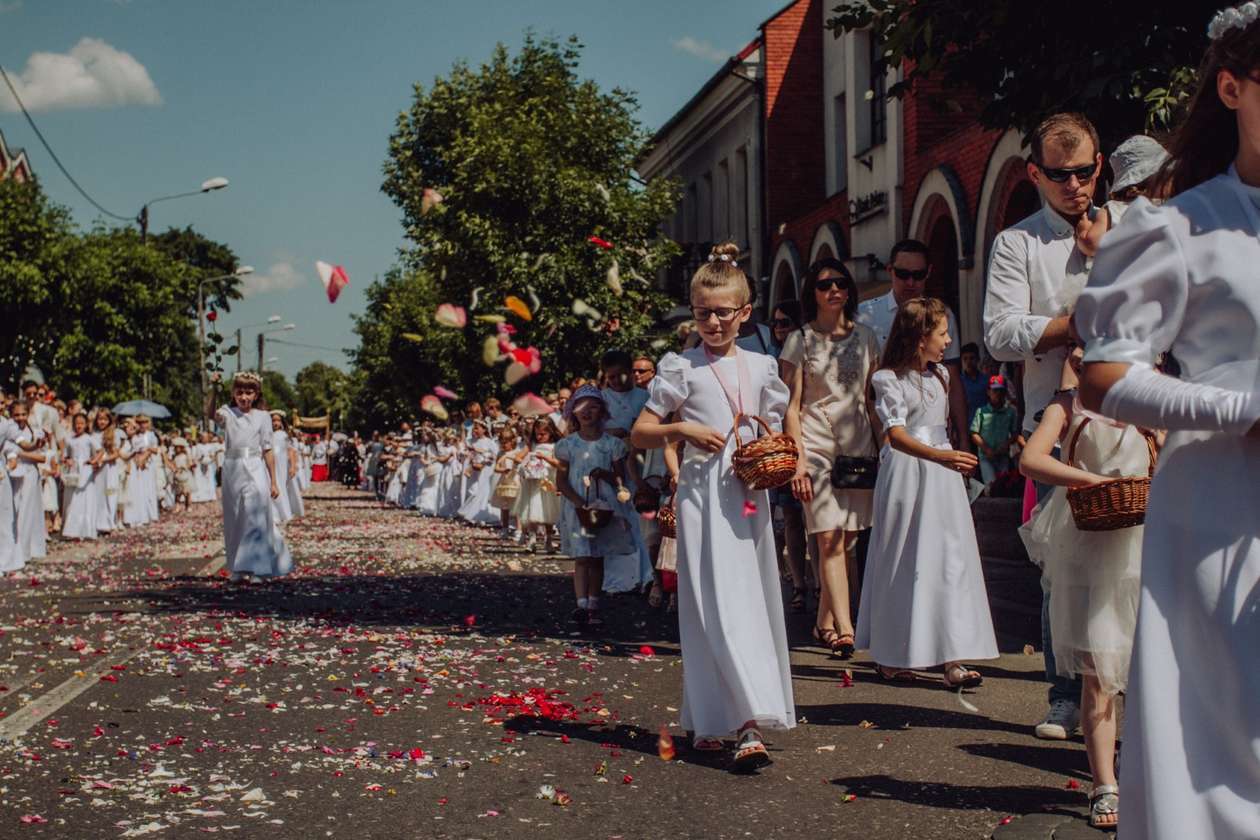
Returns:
<point x="1135" y="160"/>
<point x="584" y="392"/>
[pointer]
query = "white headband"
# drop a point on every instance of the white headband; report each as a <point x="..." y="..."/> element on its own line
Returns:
<point x="1233" y="18"/>
<point x="723" y="257"/>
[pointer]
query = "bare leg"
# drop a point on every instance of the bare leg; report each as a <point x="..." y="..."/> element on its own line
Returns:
<point x="580" y="574"/>
<point x="1098" y="723"/>
<point x="833" y="606"/>
<point x="595" y="577"/>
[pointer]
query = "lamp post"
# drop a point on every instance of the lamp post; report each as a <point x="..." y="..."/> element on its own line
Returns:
<point x="262" y="343"/>
<point x="206" y="186"/>
<point x="274" y="319"/>
<point x="201" y="327"/>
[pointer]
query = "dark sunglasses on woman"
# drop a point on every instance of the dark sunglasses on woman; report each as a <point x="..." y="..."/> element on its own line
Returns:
<point x="825" y="284"/>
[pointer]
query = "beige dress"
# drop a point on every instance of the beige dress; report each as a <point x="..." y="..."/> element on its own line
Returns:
<point x="834" y="372"/>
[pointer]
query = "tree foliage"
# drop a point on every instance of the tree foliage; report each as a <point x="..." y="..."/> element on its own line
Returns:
<point x="530" y="161"/>
<point x="96" y="311"/>
<point x="320" y="388"/>
<point x="1123" y="63"/>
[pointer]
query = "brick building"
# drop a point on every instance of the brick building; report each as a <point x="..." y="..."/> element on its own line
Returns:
<point x="846" y="171"/>
<point x="13" y="163"/>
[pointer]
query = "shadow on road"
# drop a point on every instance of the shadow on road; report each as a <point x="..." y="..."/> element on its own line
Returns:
<point x="893" y="716"/>
<point x="999" y="798"/>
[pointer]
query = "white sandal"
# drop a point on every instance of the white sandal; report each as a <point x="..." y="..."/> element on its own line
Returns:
<point x="750" y="752"/>
<point x="1104" y="802"/>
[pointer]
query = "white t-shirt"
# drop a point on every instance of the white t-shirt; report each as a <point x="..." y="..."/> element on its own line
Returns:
<point x="879" y="313"/>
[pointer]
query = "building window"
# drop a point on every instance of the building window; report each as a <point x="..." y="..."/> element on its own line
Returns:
<point x="691" y="209"/>
<point x="879" y="105"/>
<point x="741" y="199"/>
<point x="722" y="229"/>
<point x="841" y="124"/>
<point x="705" y="233"/>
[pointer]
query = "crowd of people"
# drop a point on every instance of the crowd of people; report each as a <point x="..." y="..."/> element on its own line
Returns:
<point x="75" y="474"/>
<point x="640" y="477"/>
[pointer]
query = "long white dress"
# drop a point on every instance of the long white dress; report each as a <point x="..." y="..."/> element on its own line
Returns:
<point x="923" y="597"/>
<point x="292" y="487"/>
<point x="1184" y="277"/>
<point x="10" y="556"/>
<point x="280" y="452"/>
<point x="427" y="501"/>
<point x="476" y="507"/>
<point x="251" y="533"/>
<point x="1094" y="575"/>
<point x="28" y="504"/>
<point x="203" y="473"/>
<point x="449" y="481"/>
<point x="148" y="476"/>
<point x="106" y="501"/>
<point x="730" y="608"/>
<point x="537" y="504"/>
<point x="78" y="519"/>
<point x="133" y="485"/>
<point x="415" y="477"/>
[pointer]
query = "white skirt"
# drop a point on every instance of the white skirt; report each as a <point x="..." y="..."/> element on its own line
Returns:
<point x="78" y="520"/>
<point x="11" y="558"/>
<point x="252" y="540"/>
<point x="536" y="506"/>
<point x="730" y="609"/>
<point x="923" y="597"/>
<point x="32" y="539"/>
<point x="476" y="507"/>
<point x="293" y="488"/>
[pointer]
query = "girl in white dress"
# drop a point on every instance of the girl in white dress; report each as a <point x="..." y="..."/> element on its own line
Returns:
<point x="1181" y="277"/>
<point x="251" y="535"/>
<point x="923" y="598"/>
<point x="203" y="469"/>
<point x="590" y="467"/>
<point x="507" y="481"/>
<point x="133" y="480"/>
<point x="450" y="455"/>
<point x="78" y="520"/>
<point x="181" y="471"/>
<point x="427" y="504"/>
<point x="292" y="486"/>
<point x="393" y="488"/>
<point x="24" y="456"/>
<point x="146" y="460"/>
<point x="736" y="671"/>
<point x="482" y="454"/>
<point x="11" y="558"/>
<point x="538" y="504"/>
<point x="1094" y="575"/>
<point x="280" y="453"/>
<point x="106" y="438"/>
<point x="414" y="476"/>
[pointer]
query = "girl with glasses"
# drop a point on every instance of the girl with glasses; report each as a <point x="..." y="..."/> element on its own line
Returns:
<point x="736" y="675"/>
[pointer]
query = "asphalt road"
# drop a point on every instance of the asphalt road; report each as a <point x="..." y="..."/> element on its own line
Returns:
<point x="418" y="679"/>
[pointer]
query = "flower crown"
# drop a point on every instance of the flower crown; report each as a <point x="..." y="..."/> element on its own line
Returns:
<point x="246" y="377"/>
<point x="726" y="258"/>
<point x="1233" y="18"/>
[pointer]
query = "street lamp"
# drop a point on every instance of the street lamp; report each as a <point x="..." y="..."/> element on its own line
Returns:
<point x="262" y="342"/>
<point x="274" y="319"/>
<point x="201" y="324"/>
<point x="206" y="186"/>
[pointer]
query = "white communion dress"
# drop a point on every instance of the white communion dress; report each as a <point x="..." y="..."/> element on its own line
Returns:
<point x="476" y="507"/>
<point x="79" y="514"/>
<point x="280" y="452"/>
<point x="11" y="558"/>
<point x="1183" y="277"/>
<point x="730" y="607"/>
<point x="1094" y="575"/>
<point x="252" y="540"/>
<point x="538" y="503"/>
<point x="292" y="487"/>
<point x="427" y="501"/>
<point x="923" y="597"/>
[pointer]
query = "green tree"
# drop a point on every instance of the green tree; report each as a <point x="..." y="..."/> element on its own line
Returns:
<point x="205" y="258"/>
<point x="277" y="392"/>
<point x="1124" y="63"/>
<point x="530" y="161"/>
<point x="322" y="389"/>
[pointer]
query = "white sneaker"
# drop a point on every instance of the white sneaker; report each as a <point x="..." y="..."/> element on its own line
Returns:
<point x="1062" y="720"/>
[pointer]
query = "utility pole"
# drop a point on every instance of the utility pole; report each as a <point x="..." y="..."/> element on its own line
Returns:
<point x="261" y="352"/>
<point x="238" y="351"/>
<point x="201" y="336"/>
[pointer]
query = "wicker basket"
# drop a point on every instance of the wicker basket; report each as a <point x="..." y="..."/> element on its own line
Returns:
<point x="1114" y="504"/>
<point x="667" y="520"/>
<point x="768" y="461"/>
<point x="593" y="518"/>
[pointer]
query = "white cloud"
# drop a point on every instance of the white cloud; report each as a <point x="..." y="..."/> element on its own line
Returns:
<point x="92" y="75"/>
<point x="700" y="49"/>
<point x="11" y="6"/>
<point x="282" y="276"/>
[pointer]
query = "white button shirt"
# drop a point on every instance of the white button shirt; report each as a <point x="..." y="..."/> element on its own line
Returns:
<point x="1036" y="273"/>
<point x="879" y="313"/>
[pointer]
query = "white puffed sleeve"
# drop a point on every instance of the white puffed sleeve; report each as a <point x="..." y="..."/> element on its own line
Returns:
<point x="1134" y="303"/>
<point x="262" y="420"/>
<point x="668" y="389"/>
<point x="774" y="394"/>
<point x="890" y="402"/>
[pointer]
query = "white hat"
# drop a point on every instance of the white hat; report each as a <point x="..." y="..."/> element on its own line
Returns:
<point x="179" y="441"/>
<point x="1135" y="160"/>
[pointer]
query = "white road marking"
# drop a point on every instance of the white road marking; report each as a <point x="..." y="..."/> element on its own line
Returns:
<point x="214" y="565"/>
<point x="41" y="707"/>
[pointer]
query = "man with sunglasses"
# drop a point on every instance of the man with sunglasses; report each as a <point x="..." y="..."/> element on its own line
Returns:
<point x="909" y="267"/>
<point x="1036" y="273"/>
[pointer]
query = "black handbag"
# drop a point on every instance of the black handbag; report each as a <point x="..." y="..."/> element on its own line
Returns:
<point x="856" y="472"/>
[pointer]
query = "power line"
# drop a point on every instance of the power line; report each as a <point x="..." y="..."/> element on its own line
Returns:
<point x="53" y="154"/>
<point x="308" y="346"/>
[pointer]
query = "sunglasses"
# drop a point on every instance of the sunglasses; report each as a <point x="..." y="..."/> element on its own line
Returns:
<point x="723" y="313"/>
<point x="826" y="284"/>
<point x="638" y="371"/>
<point x="783" y="323"/>
<point x="907" y="274"/>
<point x="1084" y="174"/>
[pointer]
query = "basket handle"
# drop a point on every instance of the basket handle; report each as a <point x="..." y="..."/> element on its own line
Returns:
<point x="1151" y="450"/>
<point x="743" y="416"/>
<point x="1076" y="436"/>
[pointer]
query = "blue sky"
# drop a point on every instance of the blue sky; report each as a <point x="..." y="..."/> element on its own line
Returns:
<point x="294" y="102"/>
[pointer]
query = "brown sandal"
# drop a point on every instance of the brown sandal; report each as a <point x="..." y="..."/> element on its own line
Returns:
<point x="970" y="677"/>
<point x="901" y="675"/>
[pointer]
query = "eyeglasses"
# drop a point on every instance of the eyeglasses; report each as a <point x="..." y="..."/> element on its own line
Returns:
<point x="826" y="284"/>
<point x="1084" y="174"/>
<point x="638" y="371"/>
<point x="782" y="323"/>
<point x="906" y="274"/>
<point x="724" y="313"/>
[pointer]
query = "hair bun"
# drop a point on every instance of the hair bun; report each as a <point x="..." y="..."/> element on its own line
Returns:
<point x="725" y="251"/>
